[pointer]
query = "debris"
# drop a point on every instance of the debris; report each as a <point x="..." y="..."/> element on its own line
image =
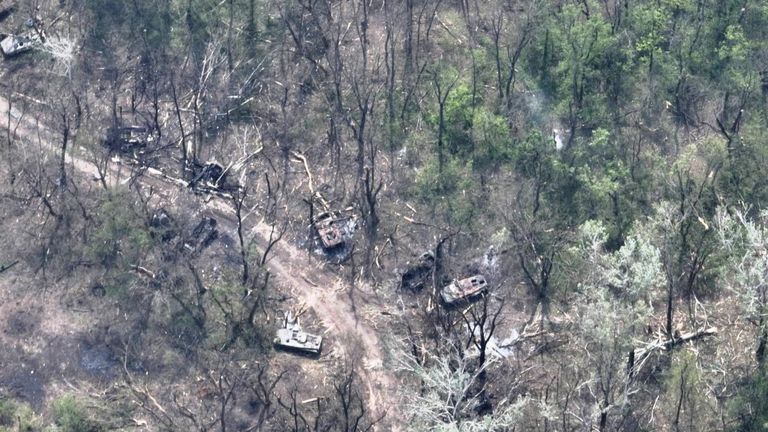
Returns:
<point x="143" y="270"/>
<point x="202" y="235"/>
<point x="677" y="340"/>
<point x="8" y="266"/>
<point x="162" y="226"/>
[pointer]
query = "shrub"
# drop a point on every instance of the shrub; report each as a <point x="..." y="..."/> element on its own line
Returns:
<point x="70" y="415"/>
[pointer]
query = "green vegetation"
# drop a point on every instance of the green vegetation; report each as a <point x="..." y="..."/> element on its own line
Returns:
<point x="17" y="417"/>
<point x="70" y="415"/>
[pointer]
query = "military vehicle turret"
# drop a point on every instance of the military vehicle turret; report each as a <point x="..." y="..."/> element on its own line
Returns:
<point x="292" y="337"/>
<point x="463" y="289"/>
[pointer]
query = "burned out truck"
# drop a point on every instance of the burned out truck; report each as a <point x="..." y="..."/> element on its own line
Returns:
<point x="292" y="337"/>
<point x="464" y="289"/>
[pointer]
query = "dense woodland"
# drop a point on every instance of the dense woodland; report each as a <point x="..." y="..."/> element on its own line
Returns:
<point x="600" y="162"/>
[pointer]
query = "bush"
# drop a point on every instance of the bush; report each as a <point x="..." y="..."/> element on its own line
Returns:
<point x="17" y="417"/>
<point x="7" y="410"/>
<point x="70" y="415"/>
<point x="120" y="235"/>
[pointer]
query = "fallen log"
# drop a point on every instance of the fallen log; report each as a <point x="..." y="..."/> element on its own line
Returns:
<point x="638" y="356"/>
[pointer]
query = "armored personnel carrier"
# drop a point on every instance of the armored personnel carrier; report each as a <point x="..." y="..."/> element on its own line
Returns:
<point x="463" y="289"/>
<point x="292" y="337"/>
<point x="12" y="45"/>
<point x="328" y="227"/>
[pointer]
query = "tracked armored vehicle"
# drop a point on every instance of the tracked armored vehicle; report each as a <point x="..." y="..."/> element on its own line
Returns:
<point x="12" y="45"/>
<point x="292" y="337"/>
<point x="128" y="140"/>
<point x="328" y="227"/>
<point x="464" y="289"/>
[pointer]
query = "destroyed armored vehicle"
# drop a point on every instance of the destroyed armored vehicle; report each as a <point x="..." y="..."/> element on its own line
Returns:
<point x="12" y="45"/>
<point x="292" y="337"/>
<point x="463" y="289"/>
<point x="210" y="177"/>
<point x="131" y="140"/>
<point x="328" y="227"/>
<point x="132" y="137"/>
<point x="415" y="276"/>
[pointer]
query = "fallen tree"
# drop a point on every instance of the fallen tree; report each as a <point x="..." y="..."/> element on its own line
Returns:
<point x="638" y="356"/>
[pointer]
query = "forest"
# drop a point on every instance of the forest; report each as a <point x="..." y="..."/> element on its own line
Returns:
<point x="378" y="215"/>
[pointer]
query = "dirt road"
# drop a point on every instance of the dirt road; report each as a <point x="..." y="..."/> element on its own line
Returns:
<point x="341" y="307"/>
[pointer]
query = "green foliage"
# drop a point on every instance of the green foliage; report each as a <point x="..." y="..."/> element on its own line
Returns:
<point x="633" y="273"/>
<point x="231" y="308"/>
<point x="449" y="193"/>
<point x="146" y="23"/>
<point x="72" y="416"/>
<point x="743" y="179"/>
<point x="750" y="407"/>
<point x="7" y="413"/>
<point x="120" y="235"/>
<point x="744" y="242"/>
<point x="458" y="119"/>
<point x="578" y="50"/>
<point x="17" y="417"/>
<point x="687" y="394"/>
<point x="432" y="185"/>
<point x="493" y="144"/>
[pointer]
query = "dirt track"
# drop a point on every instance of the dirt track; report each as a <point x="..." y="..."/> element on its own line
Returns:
<point x="341" y="307"/>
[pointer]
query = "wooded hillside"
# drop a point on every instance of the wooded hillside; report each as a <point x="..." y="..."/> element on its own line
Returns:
<point x="503" y="215"/>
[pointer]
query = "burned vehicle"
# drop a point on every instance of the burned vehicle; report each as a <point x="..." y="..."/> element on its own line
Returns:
<point x="464" y="289"/>
<point x="12" y="45"/>
<point x="210" y="177"/>
<point x="131" y="140"/>
<point x="329" y="228"/>
<point x="416" y="274"/>
<point x="292" y="337"/>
